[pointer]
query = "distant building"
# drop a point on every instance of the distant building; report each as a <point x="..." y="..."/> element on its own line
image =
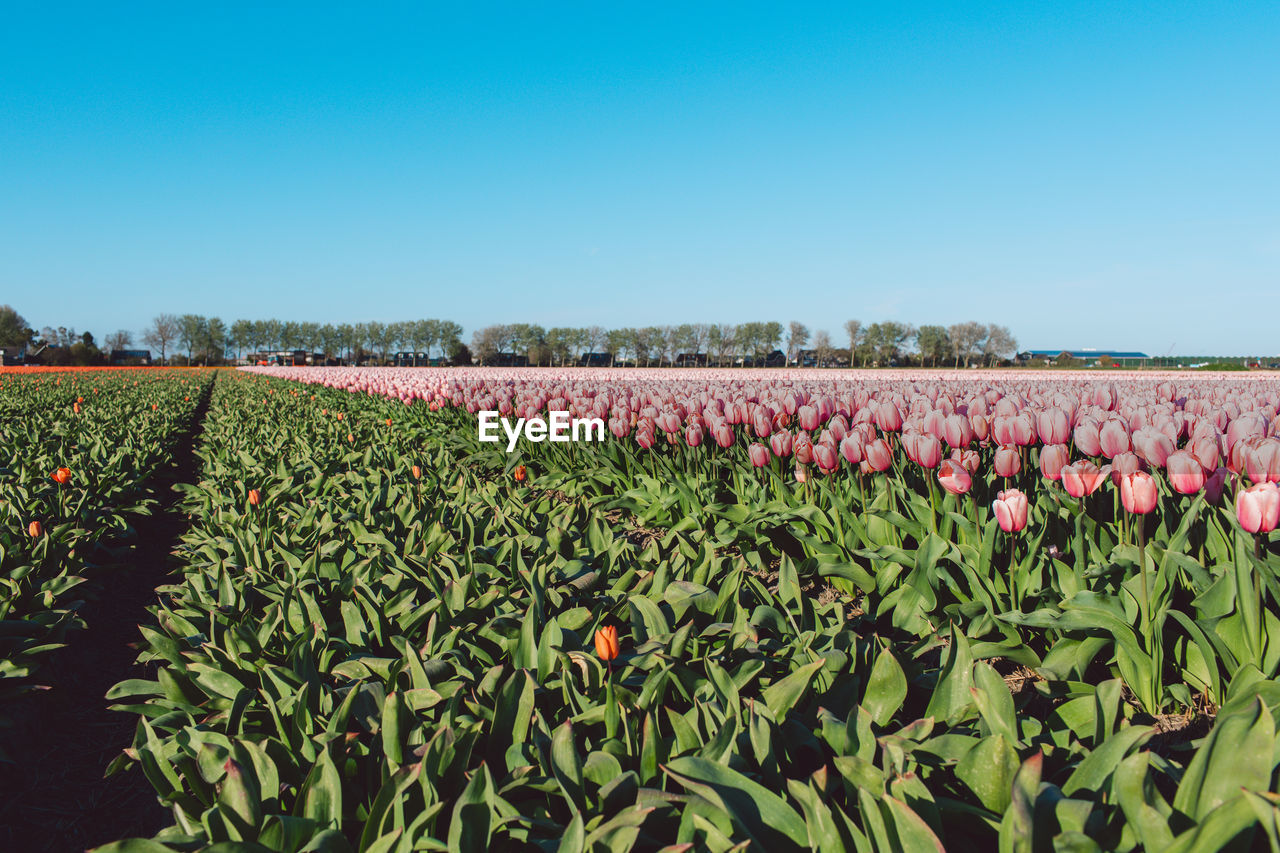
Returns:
<point x="692" y="359"/>
<point x="286" y="358"/>
<point x="131" y="356"/>
<point x="595" y="359"/>
<point x="12" y="355"/>
<point x="1086" y="355"/>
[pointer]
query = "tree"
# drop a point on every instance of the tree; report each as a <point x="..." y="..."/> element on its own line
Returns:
<point x="797" y="337"/>
<point x="934" y="344"/>
<point x="720" y="340"/>
<point x="191" y="333"/>
<point x="887" y="340"/>
<point x="966" y="340"/>
<point x="164" y="330"/>
<point x="488" y="343"/>
<point x="215" y="340"/>
<point x="853" y="329"/>
<point x="822" y="347"/>
<point x="119" y="339"/>
<point x="1000" y="344"/>
<point x="449" y="338"/>
<point x="14" y="331"/>
<point x="240" y="336"/>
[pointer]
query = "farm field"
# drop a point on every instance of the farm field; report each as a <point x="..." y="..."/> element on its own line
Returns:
<point x="782" y="610"/>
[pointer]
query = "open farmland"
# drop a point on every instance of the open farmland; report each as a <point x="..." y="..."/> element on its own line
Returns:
<point x="785" y="609"/>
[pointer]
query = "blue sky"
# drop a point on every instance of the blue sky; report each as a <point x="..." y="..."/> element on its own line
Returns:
<point x="1088" y="175"/>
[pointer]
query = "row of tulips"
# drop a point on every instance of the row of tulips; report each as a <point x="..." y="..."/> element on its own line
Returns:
<point x="78" y="452"/>
<point x="388" y="636"/>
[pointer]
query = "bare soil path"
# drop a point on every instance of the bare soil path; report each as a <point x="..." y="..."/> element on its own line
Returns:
<point x="53" y="797"/>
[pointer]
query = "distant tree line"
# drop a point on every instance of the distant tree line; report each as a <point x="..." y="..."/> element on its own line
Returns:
<point x="724" y="344"/>
<point x="195" y="339"/>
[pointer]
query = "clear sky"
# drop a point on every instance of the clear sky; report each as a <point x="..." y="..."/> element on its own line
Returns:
<point x="1088" y="174"/>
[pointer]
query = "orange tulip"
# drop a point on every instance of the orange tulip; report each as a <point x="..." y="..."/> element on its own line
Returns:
<point x="61" y="476"/>
<point x="520" y="474"/>
<point x="417" y="473"/>
<point x="254" y="497"/>
<point x="36" y="529"/>
<point x="607" y="642"/>
<point x="388" y="421"/>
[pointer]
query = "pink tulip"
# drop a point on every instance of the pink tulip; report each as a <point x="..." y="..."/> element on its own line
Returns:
<point x="1083" y="478"/>
<point x="958" y="432"/>
<point x="1138" y="493"/>
<point x="1008" y="461"/>
<point x="888" y="418"/>
<point x="1258" y="508"/>
<point x="851" y="449"/>
<point x="802" y="473"/>
<point x="877" y="455"/>
<point x="1205" y="449"/>
<point x="1054" y="426"/>
<point x="1263" y="461"/>
<point x="1215" y="485"/>
<point x="693" y="435"/>
<point x="1123" y="465"/>
<point x="781" y="444"/>
<point x="1010" y="507"/>
<point x="954" y="478"/>
<point x="970" y="460"/>
<point x="803" y="448"/>
<point x="1185" y="474"/>
<point x="759" y="454"/>
<point x="1087" y="439"/>
<point x="928" y="450"/>
<point x="826" y="457"/>
<point x="644" y="438"/>
<point x="1052" y="458"/>
<point x="808" y="417"/>
<point x="1113" y="439"/>
<point x="723" y="434"/>
<point x="762" y="422"/>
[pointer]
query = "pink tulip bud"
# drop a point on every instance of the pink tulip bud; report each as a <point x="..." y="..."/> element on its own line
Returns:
<point x="1083" y="478"/>
<point x="1052" y="458"/>
<point x="928" y="450"/>
<point x="644" y="438"/>
<point x="693" y="435"/>
<point x="759" y="455"/>
<point x="723" y="435"/>
<point x="1185" y="474"/>
<point x="808" y="417"/>
<point x="1258" y="508"/>
<point x="954" y="478"/>
<point x="958" y="432"/>
<point x="1086" y="438"/>
<point x="1138" y="493"/>
<point x="1010" y="507"/>
<point x="888" y="417"/>
<point x="851" y="449"/>
<point x="762" y="422"/>
<point x="802" y="473"/>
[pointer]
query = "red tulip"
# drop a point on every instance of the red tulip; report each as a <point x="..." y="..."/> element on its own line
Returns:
<point x="255" y="497"/>
<point x="1010" y="507"/>
<point x="759" y="454"/>
<point x="1258" y="508"/>
<point x="61" y="476"/>
<point x="607" y="643"/>
<point x="1185" y="474"/>
<point x="954" y="478"/>
<point x="519" y="474"/>
<point x="1138" y="493"/>
<point x="1083" y="478"/>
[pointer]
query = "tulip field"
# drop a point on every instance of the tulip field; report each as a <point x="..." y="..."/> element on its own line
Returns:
<point x="773" y="610"/>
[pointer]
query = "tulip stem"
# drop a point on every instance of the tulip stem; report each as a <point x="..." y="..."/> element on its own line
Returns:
<point x="1146" y="595"/>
